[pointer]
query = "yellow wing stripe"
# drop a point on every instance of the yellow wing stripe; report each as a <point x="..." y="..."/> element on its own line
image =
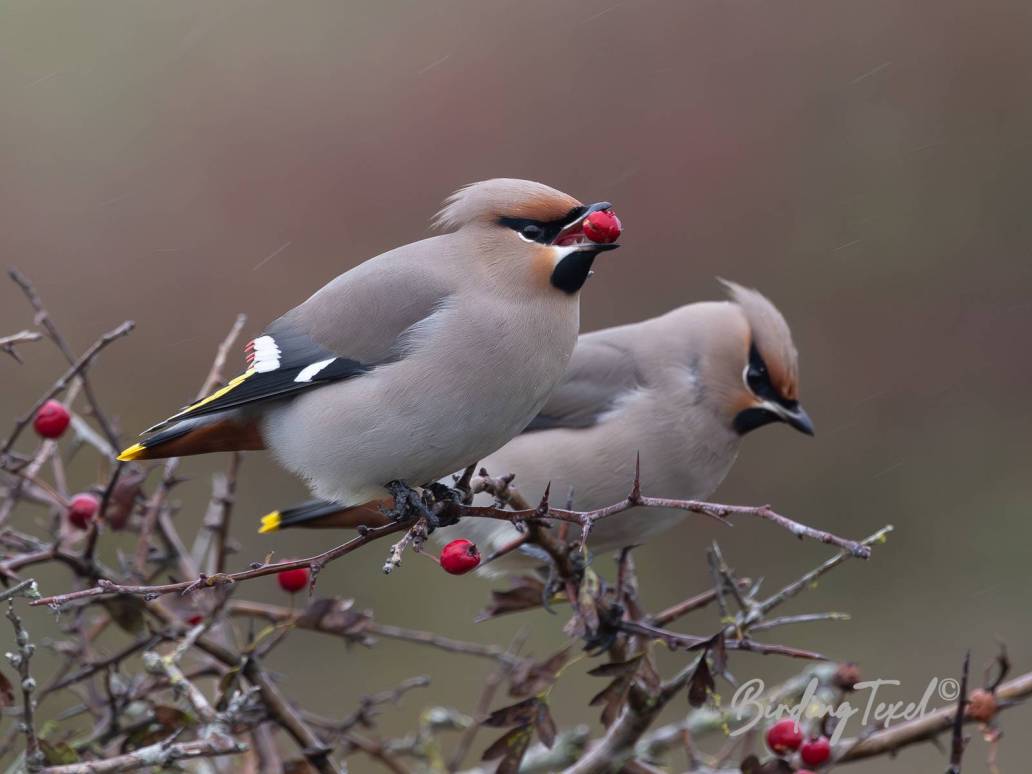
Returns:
<point x="270" y="523"/>
<point x="232" y="385"/>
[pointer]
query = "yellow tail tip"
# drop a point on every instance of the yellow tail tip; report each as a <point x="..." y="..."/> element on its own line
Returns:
<point x="134" y="452"/>
<point x="270" y="523"/>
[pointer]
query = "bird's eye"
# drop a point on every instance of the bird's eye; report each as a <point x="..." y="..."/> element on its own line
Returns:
<point x="756" y="377"/>
<point x="531" y="232"/>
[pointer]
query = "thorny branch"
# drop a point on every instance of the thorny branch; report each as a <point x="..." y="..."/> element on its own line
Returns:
<point x="415" y="533"/>
<point x="235" y="714"/>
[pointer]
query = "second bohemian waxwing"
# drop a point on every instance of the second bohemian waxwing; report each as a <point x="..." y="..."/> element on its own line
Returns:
<point x="415" y="363"/>
<point x="683" y="389"/>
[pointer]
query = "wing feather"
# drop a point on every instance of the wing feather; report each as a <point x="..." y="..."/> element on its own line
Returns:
<point x="600" y="372"/>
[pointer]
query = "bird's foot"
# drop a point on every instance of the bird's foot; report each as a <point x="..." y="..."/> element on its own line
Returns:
<point x="409" y="505"/>
<point x="449" y="498"/>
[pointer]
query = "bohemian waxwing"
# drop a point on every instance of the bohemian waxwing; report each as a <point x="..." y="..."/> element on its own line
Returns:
<point x="682" y="389"/>
<point x="415" y="363"/>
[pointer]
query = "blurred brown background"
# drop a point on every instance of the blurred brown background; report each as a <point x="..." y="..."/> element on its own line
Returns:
<point x="865" y="164"/>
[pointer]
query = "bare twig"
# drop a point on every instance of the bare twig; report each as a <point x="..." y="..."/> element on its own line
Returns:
<point x="157" y="756"/>
<point x="691" y="642"/>
<point x="43" y="318"/>
<point x="280" y="614"/>
<point x="7" y="343"/>
<point x="691" y="604"/>
<point x="76" y="369"/>
<point x="20" y="660"/>
<point x="109" y="588"/>
<point x="927" y="727"/>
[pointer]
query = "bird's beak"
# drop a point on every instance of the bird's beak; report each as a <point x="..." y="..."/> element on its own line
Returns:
<point x="798" y="418"/>
<point x="573" y="232"/>
<point x="768" y="411"/>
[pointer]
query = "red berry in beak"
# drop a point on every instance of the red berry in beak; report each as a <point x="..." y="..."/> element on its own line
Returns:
<point x="602" y="227"/>
<point x="459" y="557"/>
<point x="51" y="420"/>
<point x="816" y="751"/>
<point x="292" y="581"/>
<point x="82" y="510"/>
<point x="784" y="736"/>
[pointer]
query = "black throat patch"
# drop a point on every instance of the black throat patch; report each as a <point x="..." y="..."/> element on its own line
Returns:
<point x="570" y="274"/>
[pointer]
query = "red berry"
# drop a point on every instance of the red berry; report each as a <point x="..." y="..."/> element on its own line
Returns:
<point x="602" y="226"/>
<point x="459" y="557"/>
<point x="51" y="420"/>
<point x="816" y="751"/>
<point x="293" y="581"/>
<point x="195" y="619"/>
<point x="784" y="736"/>
<point x="82" y="509"/>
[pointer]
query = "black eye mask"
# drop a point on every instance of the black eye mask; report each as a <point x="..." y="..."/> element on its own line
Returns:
<point x="541" y="231"/>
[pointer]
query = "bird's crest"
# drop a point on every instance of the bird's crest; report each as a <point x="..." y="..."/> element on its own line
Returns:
<point x="489" y="200"/>
<point x="771" y="336"/>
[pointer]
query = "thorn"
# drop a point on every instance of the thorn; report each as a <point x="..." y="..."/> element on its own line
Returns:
<point x="635" y="495"/>
<point x="543" y="508"/>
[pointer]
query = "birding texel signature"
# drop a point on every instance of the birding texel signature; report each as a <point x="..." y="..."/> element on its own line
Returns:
<point x="749" y="707"/>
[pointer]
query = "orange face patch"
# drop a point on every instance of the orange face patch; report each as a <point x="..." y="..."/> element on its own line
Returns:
<point x="542" y="264"/>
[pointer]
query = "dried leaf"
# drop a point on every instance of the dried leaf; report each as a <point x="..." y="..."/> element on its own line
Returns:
<point x="701" y="685"/>
<point x="648" y="675"/>
<point x="510" y="748"/>
<point x="545" y="725"/>
<point x="123" y="497"/>
<point x="522" y="713"/>
<point x="6" y="691"/>
<point x="612" y="696"/>
<point x="525" y="594"/>
<point x="337" y="617"/>
<point x="531" y="678"/>
<point x="170" y="718"/>
<point x="615" y="668"/>
<point x="586" y="621"/>
<point x="126" y="610"/>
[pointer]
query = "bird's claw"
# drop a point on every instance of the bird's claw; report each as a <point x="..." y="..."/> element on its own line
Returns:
<point x="409" y="505"/>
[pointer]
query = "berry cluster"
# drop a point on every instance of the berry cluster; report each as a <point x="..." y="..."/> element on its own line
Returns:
<point x="786" y="737"/>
